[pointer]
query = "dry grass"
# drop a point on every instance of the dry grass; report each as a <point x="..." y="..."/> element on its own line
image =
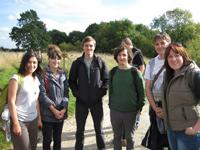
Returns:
<point x="12" y="59"/>
<point x="9" y="59"/>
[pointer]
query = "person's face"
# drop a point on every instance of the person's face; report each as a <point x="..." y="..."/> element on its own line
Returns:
<point x="175" y="60"/>
<point x="160" y="46"/>
<point x="54" y="63"/>
<point x="31" y="65"/>
<point x="88" y="48"/>
<point x="129" y="46"/>
<point x="122" y="58"/>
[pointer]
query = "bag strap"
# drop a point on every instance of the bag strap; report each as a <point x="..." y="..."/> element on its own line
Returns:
<point x="156" y="76"/>
<point x="20" y="81"/>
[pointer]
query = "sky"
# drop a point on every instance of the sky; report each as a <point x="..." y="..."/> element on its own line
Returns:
<point x="77" y="15"/>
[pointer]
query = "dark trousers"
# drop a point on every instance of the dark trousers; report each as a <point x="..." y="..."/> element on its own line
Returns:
<point x="82" y="111"/>
<point x="49" y="130"/>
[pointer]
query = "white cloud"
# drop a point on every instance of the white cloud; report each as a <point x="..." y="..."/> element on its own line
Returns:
<point x="65" y="26"/>
<point x="78" y="14"/>
<point x="4" y="38"/>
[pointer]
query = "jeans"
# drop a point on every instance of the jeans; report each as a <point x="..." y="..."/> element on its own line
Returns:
<point x="50" y="129"/>
<point x="178" y="140"/>
<point x="81" y="114"/>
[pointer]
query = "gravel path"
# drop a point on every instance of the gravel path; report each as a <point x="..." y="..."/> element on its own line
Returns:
<point x="68" y="136"/>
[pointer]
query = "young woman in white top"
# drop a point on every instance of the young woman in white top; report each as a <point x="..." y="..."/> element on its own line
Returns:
<point x="23" y="103"/>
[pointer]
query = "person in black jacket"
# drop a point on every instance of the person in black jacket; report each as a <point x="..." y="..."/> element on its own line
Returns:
<point x="88" y="80"/>
<point x="138" y="59"/>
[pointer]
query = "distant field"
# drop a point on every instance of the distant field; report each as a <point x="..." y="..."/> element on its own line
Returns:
<point x="12" y="59"/>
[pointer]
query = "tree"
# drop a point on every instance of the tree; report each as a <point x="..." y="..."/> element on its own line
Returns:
<point x="172" y="20"/>
<point x="30" y="33"/>
<point x="75" y="36"/>
<point x="58" y="37"/>
<point x="91" y="30"/>
<point x="175" y="23"/>
<point x="109" y="35"/>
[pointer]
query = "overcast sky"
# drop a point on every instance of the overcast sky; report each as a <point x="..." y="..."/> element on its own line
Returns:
<point x="71" y="15"/>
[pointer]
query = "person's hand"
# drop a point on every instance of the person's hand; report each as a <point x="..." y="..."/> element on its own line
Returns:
<point x="57" y="114"/>
<point x="63" y="112"/>
<point x="190" y="131"/>
<point x="159" y="112"/>
<point x="193" y="130"/>
<point x="39" y="123"/>
<point x="17" y="129"/>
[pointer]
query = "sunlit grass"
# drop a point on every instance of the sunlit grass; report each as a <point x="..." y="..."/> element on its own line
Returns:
<point x="9" y="59"/>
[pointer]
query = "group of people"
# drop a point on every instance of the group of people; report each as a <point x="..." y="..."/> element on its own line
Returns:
<point x="169" y="82"/>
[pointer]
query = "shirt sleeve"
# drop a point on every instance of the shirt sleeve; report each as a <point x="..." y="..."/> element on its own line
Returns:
<point x="15" y="77"/>
<point x="147" y="75"/>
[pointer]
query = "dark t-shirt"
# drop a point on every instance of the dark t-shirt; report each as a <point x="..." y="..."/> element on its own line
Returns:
<point x="138" y="59"/>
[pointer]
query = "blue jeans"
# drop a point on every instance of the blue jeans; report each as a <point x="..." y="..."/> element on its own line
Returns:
<point x="178" y="140"/>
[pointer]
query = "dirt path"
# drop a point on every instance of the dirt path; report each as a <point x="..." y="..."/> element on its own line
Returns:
<point x="68" y="136"/>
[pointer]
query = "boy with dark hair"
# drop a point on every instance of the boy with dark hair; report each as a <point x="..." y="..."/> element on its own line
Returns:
<point x="88" y="80"/>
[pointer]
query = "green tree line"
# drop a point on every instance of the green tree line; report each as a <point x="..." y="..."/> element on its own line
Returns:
<point x="31" y="33"/>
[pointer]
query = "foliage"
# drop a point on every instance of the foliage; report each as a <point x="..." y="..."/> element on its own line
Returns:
<point x="177" y="23"/>
<point x="4" y="145"/>
<point x="143" y="39"/>
<point x="172" y="20"/>
<point x="193" y="48"/>
<point x="5" y="76"/>
<point x="70" y="47"/>
<point x="75" y="36"/>
<point x="57" y="37"/>
<point x="110" y="34"/>
<point x="92" y="29"/>
<point x="30" y="33"/>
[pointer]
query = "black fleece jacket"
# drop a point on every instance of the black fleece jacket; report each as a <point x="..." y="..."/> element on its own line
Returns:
<point x="88" y="91"/>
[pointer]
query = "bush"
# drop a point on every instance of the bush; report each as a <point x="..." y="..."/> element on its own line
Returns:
<point x="69" y="47"/>
<point x="193" y="48"/>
